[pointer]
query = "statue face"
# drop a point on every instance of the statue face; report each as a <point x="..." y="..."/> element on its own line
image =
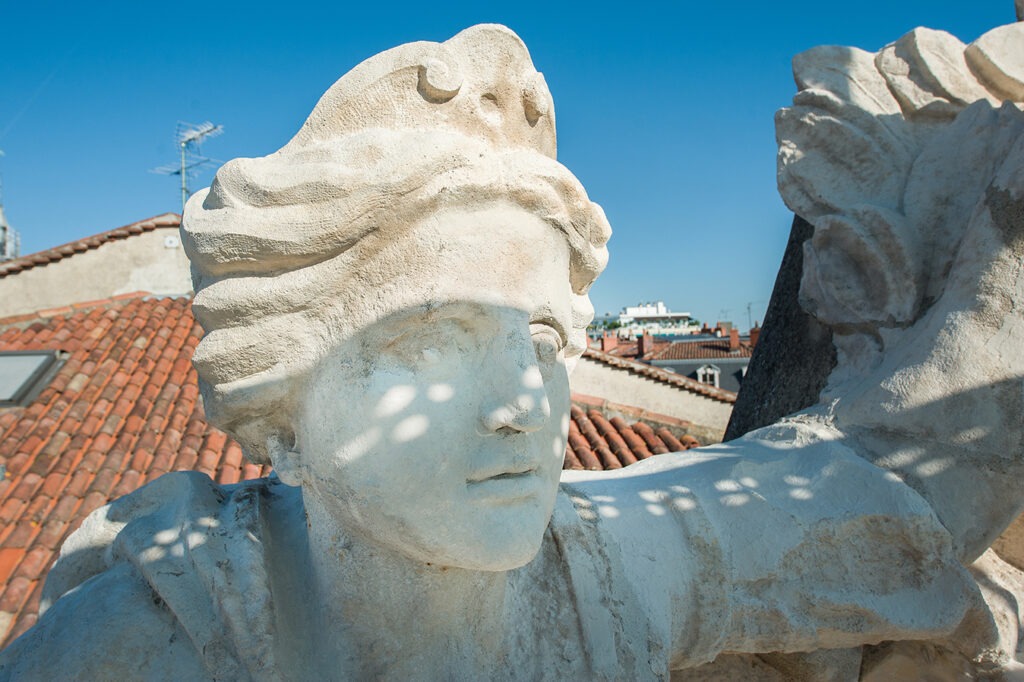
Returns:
<point x="438" y="429"/>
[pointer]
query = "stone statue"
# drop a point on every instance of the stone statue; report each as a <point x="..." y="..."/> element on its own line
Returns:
<point x="393" y="302"/>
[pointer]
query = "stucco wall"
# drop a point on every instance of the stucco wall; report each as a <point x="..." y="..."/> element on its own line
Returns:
<point x="142" y="262"/>
<point x="600" y="380"/>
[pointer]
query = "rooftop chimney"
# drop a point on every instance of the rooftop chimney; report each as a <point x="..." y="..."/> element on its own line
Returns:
<point x="755" y="332"/>
<point x="734" y="340"/>
<point x="609" y="341"/>
<point x="645" y="345"/>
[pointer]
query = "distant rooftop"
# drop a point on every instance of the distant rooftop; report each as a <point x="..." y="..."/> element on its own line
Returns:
<point x="57" y="253"/>
<point x="703" y="348"/>
<point x="661" y="375"/>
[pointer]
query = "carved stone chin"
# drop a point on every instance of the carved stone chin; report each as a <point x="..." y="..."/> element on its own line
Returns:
<point x="393" y="303"/>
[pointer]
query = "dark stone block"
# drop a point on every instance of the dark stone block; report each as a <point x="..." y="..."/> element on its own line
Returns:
<point x="794" y="354"/>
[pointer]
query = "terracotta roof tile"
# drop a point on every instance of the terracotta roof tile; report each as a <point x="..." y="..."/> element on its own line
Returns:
<point x="634" y="443"/>
<point x="20" y="534"/>
<point x="129" y="482"/>
<point x="670" y="440"/>
<point x="654" y="444"/>
<point x="51" y="536"/>
<point x="14" y="595"/>
<point x="35" y="562"/>
<point x="612" y="437"/>
<point x="95" y="241"/>
<point x="662" y="375"/>
<point x="10" y="559"/>
<point x="124" y="408"/>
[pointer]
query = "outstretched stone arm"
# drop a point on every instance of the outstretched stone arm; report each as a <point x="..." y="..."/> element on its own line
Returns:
<point x="784" y="540"/>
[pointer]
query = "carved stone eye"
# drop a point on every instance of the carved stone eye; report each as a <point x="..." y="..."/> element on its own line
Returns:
<point x="547" y="343"/>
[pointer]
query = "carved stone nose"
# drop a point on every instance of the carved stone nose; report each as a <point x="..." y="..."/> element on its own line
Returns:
<point x="520" y="404"/>
<point x="526" y="412"/>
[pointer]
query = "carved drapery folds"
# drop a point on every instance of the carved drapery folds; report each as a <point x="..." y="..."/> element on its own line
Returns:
<point x="888" y="155"/>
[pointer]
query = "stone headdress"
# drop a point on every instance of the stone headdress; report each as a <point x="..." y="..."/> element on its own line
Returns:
<point x="411" y="130"/>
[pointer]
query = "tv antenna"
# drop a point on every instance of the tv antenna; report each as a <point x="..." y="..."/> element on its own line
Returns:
<point x="10" y="240"/>
<point x="189" y="137"/>
<point x="750" y="319"/>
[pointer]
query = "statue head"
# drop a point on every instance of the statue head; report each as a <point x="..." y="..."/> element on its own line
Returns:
<point x="393" y="300"/>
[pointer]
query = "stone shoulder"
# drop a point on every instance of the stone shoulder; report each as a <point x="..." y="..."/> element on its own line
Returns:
<point x="122" y="630"/>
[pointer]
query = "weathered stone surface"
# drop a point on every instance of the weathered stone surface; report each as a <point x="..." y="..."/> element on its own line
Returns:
<point x="393" y="302"/>
<point x="953" y="153"/>
<point x="996" y="58"/>
<point x="877" y="266"/>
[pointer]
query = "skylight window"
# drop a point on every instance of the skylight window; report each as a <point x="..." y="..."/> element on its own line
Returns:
<point x="24" y="373"/>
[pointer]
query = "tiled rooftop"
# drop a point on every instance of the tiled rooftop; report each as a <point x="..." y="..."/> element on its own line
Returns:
<point x="598" y="443"/>
<point x="124" y="408"/>
<point x="95" y="241"/>
<point x="662" y="375"/>
<point x="704" y="349"/>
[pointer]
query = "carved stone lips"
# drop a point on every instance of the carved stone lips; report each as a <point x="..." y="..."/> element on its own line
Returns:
<point x="505" y="487"/>
<point x="510" y="475"/>
<point x="503" y="462"/>
<point x="506" y="473"/>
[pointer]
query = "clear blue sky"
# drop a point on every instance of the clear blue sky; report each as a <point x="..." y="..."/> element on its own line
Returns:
<point x="664" y="111"/>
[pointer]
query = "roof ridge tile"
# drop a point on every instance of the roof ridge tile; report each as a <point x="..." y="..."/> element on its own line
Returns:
<point x="662" y="375"/>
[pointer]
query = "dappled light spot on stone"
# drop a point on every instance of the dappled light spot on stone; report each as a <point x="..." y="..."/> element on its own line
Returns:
<point x="396" y="399"/>
<point x="440" y="393"/>
<point x="735" y="499"/>
<point x="934" y="467"/>
<point x="410" y="428"/>
<point x="655" y="509"/>
<point x="684" y="503"/>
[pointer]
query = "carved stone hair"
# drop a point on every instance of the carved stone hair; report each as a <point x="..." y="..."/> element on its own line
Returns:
<point x="887" y="155"/>
<point x="274" y="242"/>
